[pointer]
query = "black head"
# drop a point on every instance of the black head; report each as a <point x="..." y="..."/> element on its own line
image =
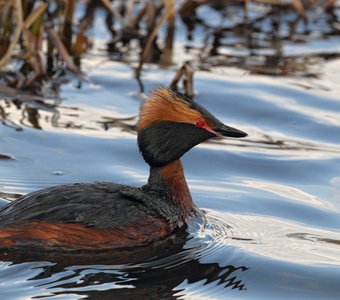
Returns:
<point x="171" y="124"/>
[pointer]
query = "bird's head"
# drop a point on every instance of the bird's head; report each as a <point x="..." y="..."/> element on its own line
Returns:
<point x="171" y="124"/>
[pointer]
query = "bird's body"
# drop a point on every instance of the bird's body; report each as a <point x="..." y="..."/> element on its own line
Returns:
<point x="86" y="216"/>
<point x="100" y="215"/>
<point x="71" y="221"/>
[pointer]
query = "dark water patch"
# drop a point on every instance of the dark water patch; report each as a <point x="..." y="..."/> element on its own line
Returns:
<point x="153" y="271"/>
<point x="5" y="156"/>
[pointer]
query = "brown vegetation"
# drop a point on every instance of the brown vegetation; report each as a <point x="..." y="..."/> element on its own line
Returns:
<point x="42" y="44"/>
<point x="47" y="39"/>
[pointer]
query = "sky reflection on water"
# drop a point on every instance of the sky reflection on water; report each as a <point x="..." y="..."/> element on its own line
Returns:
<point x="271" y="200"/>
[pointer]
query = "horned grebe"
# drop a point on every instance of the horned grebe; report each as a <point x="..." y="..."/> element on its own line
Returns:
<point x="88" y="216"/>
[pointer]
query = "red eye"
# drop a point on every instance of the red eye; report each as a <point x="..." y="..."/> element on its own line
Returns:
<point x="200" y="123"/>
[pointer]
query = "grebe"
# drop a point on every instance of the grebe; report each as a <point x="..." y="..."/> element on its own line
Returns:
<point x="89" y="216"/>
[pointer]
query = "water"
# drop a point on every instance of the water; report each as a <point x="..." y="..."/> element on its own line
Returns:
<point x="271" y="200"/>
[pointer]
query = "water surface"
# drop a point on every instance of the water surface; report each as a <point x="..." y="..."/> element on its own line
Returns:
<point x="271" y="200"/>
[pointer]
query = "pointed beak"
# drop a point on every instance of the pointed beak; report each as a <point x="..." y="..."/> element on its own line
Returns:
<point x="225" y="130"/>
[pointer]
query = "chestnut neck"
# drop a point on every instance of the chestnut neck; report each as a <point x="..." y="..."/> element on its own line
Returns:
<point x="170" y="180"/>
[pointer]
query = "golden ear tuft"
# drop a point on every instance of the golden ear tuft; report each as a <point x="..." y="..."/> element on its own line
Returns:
<point x="165" y="105"/>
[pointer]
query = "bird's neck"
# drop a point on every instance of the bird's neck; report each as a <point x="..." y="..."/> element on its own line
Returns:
<point x="170" y="180"/>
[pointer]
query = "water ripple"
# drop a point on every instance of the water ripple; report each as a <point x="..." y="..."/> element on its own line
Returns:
<point x="274" y="238"/>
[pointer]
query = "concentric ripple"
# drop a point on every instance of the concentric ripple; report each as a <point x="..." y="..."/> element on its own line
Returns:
<point x="273" y="238"/>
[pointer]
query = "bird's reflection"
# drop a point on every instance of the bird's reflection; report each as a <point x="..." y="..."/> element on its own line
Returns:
<point x="153" y="272"/>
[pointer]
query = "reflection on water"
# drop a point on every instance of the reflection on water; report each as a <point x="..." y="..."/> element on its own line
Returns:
<point x="41" y="115"/>
<point x="160" y="271"/>
<point x="263" y="39"/>
<point x="271" y="200"/>
<point x="276" y="40"/>
<point x="106" y="281"/>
